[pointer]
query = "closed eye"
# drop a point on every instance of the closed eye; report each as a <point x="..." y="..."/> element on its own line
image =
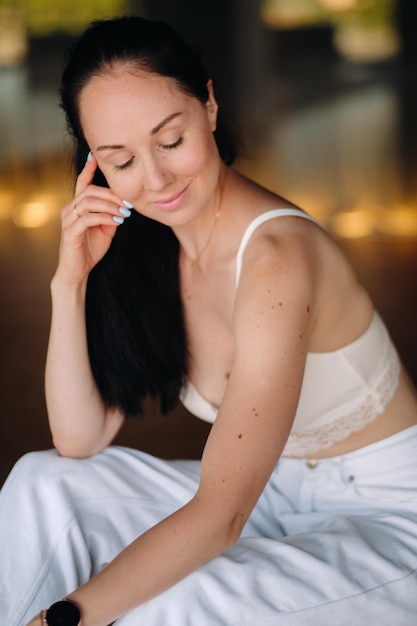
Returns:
<point x="168" y="146"/>
<point x="123" y="166"/>
<point x="176" y="144"/>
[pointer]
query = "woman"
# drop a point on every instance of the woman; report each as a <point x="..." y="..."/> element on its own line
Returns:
<point x="304" y="506"/>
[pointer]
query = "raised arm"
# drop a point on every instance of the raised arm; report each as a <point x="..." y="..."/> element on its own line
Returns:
<point x="79" y="422"/>
<point x="271" y="328"/>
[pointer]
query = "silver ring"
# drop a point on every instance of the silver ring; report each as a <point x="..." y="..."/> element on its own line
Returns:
<point x="74" y="208"/>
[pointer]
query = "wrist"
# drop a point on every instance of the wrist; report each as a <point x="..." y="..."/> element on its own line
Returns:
<point x="62" y="613"/>
<point x="61" y="285"/>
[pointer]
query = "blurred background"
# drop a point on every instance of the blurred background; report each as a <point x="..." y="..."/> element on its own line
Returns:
<point x="323" y="94"/>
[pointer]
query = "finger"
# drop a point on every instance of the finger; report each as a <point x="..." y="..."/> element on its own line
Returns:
<point x="95" y="198"/>
<point x="75" y="210"/>
<point x="86" y="175"/>
<point x="80" y="226"/>
<point x="100" y="200"/>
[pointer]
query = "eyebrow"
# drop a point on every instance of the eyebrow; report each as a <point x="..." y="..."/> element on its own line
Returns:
<point x="154" y="130"/>
<point x="164" y="122"/>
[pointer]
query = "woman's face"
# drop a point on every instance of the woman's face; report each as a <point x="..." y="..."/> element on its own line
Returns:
<point x="153" y="142"/>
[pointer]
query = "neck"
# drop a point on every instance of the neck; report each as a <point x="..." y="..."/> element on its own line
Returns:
<point x="202" y="231"/>
<point x="195" y="260"/>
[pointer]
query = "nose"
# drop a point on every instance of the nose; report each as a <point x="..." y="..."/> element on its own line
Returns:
<point x="156" y="174"/>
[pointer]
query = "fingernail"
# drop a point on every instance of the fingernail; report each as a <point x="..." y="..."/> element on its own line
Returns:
<point x="125" y="212"/>
<point x="118" y="220"/>
<point x="127" y="204"/>
<point x="89" y="155"/>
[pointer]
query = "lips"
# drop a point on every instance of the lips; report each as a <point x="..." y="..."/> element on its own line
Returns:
<point x="173" y="202"/>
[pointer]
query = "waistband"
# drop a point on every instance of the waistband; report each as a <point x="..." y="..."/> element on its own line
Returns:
<point x="391" y="451"/>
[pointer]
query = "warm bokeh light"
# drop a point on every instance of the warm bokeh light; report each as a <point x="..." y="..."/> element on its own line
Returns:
<point x="366" y="44"/>
<point x="279" y="14"/>
<point x="339" y="5"/>
<point x="353" y="224"/>
<point x="400" y="222"/>
<point x="7" y="198"/>
<point x="36" y="213"/>
<point x="364" y="30"/>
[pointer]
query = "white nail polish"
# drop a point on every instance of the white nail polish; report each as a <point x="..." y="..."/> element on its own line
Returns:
<point x="118" y="220"/>
<point x="125" y="212"/>
<point x="127" y="204"/>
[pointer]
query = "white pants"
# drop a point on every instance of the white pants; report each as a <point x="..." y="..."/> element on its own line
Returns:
<point x="334" y="544"/>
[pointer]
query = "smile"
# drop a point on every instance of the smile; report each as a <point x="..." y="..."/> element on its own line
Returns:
<point x="173" y="202"/>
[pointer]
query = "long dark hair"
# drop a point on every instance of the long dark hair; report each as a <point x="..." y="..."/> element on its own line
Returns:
<point x="135" y="328"/>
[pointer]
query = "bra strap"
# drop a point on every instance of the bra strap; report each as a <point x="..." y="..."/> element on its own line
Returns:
<point x="264" y="217"/>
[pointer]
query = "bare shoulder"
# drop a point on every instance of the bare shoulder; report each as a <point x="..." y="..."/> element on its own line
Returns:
<point x="298" y="261"/>
<point x="278" y="283"/>
<point x="284" y="247"/>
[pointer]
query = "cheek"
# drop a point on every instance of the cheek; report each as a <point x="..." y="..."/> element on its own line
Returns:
<point x="202" y="154"/>
<point x="123" y="184"/>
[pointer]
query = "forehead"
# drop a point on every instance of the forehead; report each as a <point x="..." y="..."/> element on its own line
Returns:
<point x="123" y="94"/>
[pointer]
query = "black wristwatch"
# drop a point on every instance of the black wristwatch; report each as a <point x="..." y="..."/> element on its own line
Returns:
<point x="63" y="613"/>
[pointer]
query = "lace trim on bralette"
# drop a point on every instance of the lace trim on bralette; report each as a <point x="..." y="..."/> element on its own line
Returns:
<point x="312" y="440"/>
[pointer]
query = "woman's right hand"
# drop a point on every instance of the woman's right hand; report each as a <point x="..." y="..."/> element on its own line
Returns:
<point x="89" y="223"/>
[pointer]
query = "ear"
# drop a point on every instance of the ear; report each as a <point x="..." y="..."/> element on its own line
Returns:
<point x="211" y="106"/>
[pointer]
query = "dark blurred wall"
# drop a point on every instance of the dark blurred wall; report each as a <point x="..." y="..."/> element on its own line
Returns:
<point x="406" y="16"/>
<point x="231" y="37"/>
<point x="208" y="26"/>
<point x="407" y="25"/>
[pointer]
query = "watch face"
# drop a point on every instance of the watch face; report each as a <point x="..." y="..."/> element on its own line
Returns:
<point x="63" y="613"/>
